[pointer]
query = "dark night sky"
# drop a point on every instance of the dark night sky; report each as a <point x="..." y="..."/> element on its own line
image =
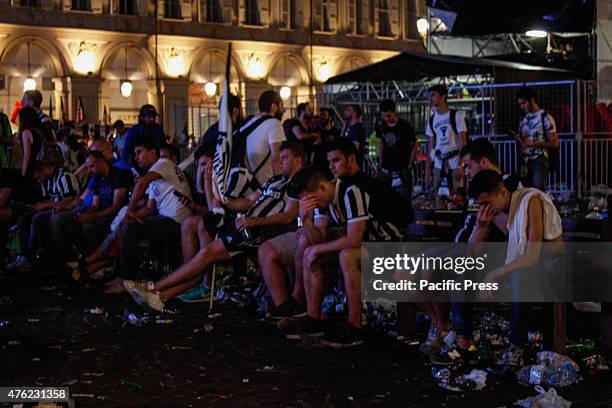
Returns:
<point x="478" y="17"/>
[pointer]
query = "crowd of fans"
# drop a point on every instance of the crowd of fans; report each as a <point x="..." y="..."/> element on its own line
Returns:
<point x="303" y="216"/>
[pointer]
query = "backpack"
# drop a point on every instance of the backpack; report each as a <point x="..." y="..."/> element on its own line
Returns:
<point x="453" y="122"/>
<point x="239" y="178"/>
<point x="49" y="151"/>
<point x="396" y="209"/>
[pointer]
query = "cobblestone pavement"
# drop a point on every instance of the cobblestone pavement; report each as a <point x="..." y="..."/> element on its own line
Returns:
<point x="51" y="340"/>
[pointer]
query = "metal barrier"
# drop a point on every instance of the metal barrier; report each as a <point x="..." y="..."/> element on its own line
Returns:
<point x="580" y="110"/>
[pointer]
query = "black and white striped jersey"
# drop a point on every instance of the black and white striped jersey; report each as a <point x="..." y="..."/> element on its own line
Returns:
<point x="273" y="197"/>
<point x="352" y="204"/>
<point x="61" y="185"/>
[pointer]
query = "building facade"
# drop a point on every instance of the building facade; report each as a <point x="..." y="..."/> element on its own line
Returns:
<point x="115" y="55"/>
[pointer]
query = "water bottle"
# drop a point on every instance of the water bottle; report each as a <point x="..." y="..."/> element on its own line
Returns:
<point x="534" y="346"/>
<point x="373" y="146"/>
<point x="246" y="233"/>
<point x="328" y="305"/>
<point x="485" y="353"/>
<point x="543" y="374"/>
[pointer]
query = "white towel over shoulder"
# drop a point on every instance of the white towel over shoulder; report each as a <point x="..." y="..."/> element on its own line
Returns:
<point x="517" y="221"/>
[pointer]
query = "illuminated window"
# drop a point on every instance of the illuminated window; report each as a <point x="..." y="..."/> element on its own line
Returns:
<point x="287" y="13"/>
<point x="325" y="15"/>
<point x="355" y="17"/>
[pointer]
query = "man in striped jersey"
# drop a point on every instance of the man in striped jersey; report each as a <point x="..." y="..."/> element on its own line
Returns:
<point x="57" y="187"/>
<point x="266" y="210"/>
<point x="357" y="215"/>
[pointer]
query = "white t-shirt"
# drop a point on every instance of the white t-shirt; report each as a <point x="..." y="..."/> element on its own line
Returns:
<point x="446" y="138"/>
<point x="162" y="190"/>
<point x="258" y="146"/>
<point x="532" y="128"/>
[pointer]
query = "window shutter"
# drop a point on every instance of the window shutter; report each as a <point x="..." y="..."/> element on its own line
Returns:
<point x="67" y="5"/>
<point x="227" y="10"/>
<point x="142" y="7"/>
<point x="351" y="17"/>
<point x="186" y="10"/>
<point x="242" y="11"/>
<point x="377" y="16"/>
<point x="364" y="24"/>
<point x="264" y="11"/>
<point x="394" y="16"/>
<point x="161" y="8"/>
<point x="96" y="6"/>
<point x="332" y="13"/>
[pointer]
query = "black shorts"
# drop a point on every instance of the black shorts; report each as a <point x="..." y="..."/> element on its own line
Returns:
<point x="217" y="224"/>
<point x="235" y="240"/>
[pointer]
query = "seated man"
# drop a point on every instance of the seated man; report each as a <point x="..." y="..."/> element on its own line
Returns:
<point x="477" y="155"/>
<point x="268" y="207"/>
<point x="161" y="218"/>
<point x="532" y="219"/>
<point x="88" y="227"/>
<point x="57" y="187"/>
<point x="358" y="215"/>
<point x="193" y="233"/>
<point x="101" y="261"/>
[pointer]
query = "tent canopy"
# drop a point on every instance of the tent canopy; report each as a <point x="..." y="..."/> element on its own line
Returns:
<point x="414" y="66"/>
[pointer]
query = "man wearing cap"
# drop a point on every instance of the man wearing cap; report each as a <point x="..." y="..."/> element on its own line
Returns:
<point x="146" y="124"/>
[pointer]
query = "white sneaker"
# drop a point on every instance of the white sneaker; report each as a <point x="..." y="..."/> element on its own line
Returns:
<point x="144" y="293"/>
<point x="434" y="338"/>
<point x="21" y="264"/>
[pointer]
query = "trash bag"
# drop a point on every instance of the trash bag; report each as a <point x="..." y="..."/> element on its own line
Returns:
<point x="544" y="399"/>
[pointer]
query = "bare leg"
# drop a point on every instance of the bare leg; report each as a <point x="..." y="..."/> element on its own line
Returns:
<point x="350" y="264"/>
<point x="211" y="253"/>
<point x="95" y="267"/>
<point x="442" y="312"/>
<point x="299" y="290"/>
<point x="179" y="289"/>
<point x="315" y="282"/>
<point x="189" y="237"/>
<point x="273" y="273"/>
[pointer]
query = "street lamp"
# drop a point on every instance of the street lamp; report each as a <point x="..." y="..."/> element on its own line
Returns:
<point x="126" y="88"/>
<point x="210" y="88"/>
<point x="422" y="26"/>
<point x="30" y="83"/>
<point x="126" y="84"/>
<point x="285" y="92"/>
